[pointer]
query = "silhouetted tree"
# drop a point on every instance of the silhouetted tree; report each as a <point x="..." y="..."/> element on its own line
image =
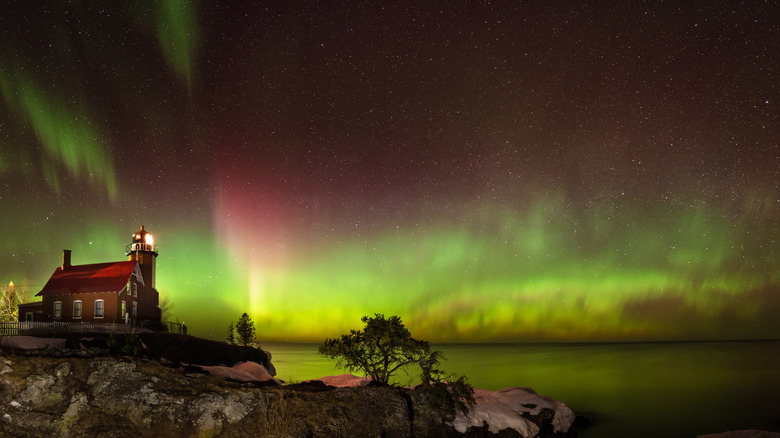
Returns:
<point x="231" y="335"/>
<point x="246" y="330"/>
<point x="379" y="350"/>
<point x="384" y="346"/>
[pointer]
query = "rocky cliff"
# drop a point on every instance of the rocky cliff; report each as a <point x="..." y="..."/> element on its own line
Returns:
<point x="82" y="392"/>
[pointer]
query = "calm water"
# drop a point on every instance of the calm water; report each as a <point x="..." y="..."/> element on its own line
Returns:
<point x="630" y="390"/>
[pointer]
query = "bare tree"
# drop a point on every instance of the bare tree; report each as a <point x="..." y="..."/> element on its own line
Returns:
<point x="10" y="298"/>
<point x="166" y="307"/>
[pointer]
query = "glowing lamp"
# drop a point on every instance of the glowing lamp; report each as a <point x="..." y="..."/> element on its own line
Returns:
<point x="142" y="241"/>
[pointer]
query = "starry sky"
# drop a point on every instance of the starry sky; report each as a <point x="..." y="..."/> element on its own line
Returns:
<point x="489" y="171"/>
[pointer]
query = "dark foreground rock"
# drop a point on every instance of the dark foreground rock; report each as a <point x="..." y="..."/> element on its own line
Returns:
<point x="160" y="346"/>
<point x="193" y="350"/>
<point x="116" y="396"/>
<point x="131" y="397"/>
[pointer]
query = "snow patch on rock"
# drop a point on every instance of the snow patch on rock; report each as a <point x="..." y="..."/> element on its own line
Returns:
<point x="343" y="380"/>
<point x="242" y="371"/>
<point x="505" y="409"/>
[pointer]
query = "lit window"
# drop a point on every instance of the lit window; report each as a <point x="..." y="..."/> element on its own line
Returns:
<point x="98" y="308"/>
<point x="124" y="309"/>
<point x="77" y="309"/>
<point x="58" y="309"/>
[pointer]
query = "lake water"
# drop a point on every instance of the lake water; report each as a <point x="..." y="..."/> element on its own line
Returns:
<point x="629" y="390"/>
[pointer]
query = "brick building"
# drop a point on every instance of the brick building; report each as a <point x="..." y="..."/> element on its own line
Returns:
<point x="114" y="292"/>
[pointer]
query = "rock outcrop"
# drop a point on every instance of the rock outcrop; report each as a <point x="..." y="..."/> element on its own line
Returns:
<point x="83" y="392"/>
<point x="132" y="397"/>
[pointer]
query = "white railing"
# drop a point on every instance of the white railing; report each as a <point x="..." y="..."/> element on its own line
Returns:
<point x="32" y="328"/>
<point x="141" y="246"/>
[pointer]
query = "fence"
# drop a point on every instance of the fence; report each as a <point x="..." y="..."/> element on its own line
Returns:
<point x="176" y="327"/>
<point x="53" y="328"/>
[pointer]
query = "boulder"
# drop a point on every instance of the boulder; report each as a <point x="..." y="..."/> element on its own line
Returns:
<point x="517" y="408"/>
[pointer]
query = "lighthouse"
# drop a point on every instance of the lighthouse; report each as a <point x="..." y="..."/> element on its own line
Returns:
<point x="144" y="251"/>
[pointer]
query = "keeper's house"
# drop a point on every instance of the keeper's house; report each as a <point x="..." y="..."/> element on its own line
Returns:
<point x="114" y="292"/>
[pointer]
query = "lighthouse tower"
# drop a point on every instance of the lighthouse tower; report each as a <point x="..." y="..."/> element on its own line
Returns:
<point x="144" y="251"/>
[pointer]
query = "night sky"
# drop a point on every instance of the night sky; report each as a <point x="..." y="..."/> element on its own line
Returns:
<point x="488" y="171"/>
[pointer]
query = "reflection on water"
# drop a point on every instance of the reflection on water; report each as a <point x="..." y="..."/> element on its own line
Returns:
<point x="631" y="390"/>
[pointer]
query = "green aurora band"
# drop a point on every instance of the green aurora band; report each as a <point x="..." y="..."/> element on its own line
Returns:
<point x="173" y="25"/>
<point x="63" y="127"/>
<point x="550" y="274"/>
<point x="177" y="30"/>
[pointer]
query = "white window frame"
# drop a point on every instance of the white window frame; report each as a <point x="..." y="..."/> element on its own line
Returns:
<point x="81" y="309"/>
<point x="57" y="310"/>
<point x="135" y="310"/>
<point x="102" y="309"/>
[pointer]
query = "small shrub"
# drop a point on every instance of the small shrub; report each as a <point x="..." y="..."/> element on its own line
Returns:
<point x="131" y="345"/>
<point x="449" y="397"/>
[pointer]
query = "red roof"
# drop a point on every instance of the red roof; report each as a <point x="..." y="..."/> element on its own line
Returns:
<point x="98" y="277"/>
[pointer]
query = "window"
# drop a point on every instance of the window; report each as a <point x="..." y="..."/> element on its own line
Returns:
<point x="135" y="310"/>
<point x="98" y="308"/>
<point x="28" y="317"/>
<point x="123" y="312"/>
<point x="58" y="309"/>
<point x="77" y="309"/>
<point x="135" y="289"/>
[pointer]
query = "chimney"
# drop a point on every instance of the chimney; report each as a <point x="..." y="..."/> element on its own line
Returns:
<point x="66" y="259"/>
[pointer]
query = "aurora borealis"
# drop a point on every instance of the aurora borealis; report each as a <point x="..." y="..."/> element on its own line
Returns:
<point x="498" y="171"/>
